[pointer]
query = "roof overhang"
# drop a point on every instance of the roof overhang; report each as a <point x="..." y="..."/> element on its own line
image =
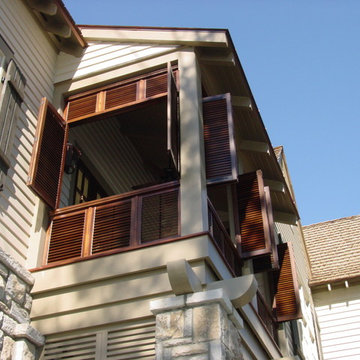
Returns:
<point x="56" y="20"/>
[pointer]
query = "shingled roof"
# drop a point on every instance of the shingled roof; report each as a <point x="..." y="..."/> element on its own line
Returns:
<point x="334" y="250"/>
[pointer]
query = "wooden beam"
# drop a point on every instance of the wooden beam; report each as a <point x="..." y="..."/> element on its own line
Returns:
<point x="63" y="30"/>
<point x="255" y="146"/>
<point x="45" y="7"/>
<point x="224" y="60"/>
<point x="275" y="185"/>
<point x="242" y="101"/>
<point x="286" y="218"/>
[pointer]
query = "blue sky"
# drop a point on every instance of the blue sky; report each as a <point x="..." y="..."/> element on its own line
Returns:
<point x="302" y="61"/>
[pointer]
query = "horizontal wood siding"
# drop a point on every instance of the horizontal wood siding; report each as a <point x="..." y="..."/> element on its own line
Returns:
<point x="338" y="313"/>
<point x="36" y="58"/>
<point x="100" y="57"/>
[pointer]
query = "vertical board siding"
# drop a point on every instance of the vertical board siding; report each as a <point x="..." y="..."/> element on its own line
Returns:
<point x="36" y="58"/>
<point x="99" y="57"/>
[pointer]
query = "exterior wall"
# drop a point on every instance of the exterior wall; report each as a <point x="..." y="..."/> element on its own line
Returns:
<point x="36" y="59"/>
<point x="305" y="326"/>
<point x="338" y="312"/>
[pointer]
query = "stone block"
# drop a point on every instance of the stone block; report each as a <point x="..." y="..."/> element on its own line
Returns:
<point x="28" y="302"/>
<point x="23" y="350"/>
<point x="19" y="314"/>
<point x="210" y="296"/>
<point x="170" y="325"/>
<point x="4" y="272"/>
<point x="8" y="325"/>
<point x="16" y="268"/>
<point x="189" y="350"/>
<point x="16" y="288"/>
<point x="28" y="332"/>
<point x="207" y="322"/>
<point x="166" y="304"/>
<point x="6" y="352"/>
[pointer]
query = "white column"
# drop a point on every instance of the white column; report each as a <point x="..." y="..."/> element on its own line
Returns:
<point x="193" y="195"/>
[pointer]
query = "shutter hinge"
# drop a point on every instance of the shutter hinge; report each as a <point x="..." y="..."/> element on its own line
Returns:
<point x="3" y="79"/>
<point x="1" y="187"/>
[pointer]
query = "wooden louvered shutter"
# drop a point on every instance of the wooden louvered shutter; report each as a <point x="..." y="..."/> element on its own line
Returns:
<point x="11" y="97"/>
<point x="220" y="154"/>
<point x="81" y="107"/>
<point x="112" y="227"/>
<point x="48" y="154"/>
<point x="254" y="225"/>
<point x="66" y="237"/>
<point x="160" y="216"/>
<point x="287" y="301"/>
<point x="172" y="120"/>
<point x="271" y="261"/>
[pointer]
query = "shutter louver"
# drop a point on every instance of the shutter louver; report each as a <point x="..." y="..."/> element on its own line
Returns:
<point x="120" y="95"/>
<point x="254" y="226"/>
<point x="156" y="85"/>
<point x="112" y="227"/>
<point x="159" y="216"/>
<point x="81" y="107"/>
<point x="172" y="120"/>
<point x="220" y="155"/>
<point x="48" y="154"/>
<point x="11" y="98"/>
<point x="287" y="302"/>
<point x="66" y="237"/>
<point x="79" y="348"/>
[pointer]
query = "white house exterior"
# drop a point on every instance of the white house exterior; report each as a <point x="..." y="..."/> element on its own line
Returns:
<point x="143" y="210"/>
<point x="334" y="250"/>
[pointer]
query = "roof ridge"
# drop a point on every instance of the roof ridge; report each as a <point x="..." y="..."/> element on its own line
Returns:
<point x="332" y="221"/>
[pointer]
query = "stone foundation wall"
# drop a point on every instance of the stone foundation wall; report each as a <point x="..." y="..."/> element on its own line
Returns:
<point x="18" y="340"/>
<point x="198" y="326"/>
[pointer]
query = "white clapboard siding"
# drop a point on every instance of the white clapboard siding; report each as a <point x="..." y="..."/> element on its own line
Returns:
<point x="100" y="57"/>
<point x="338" y="313"/>
<point x="36" y="57"/>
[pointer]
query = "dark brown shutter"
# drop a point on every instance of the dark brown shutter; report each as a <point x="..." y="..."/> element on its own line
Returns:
<point x="80" y="107"/>
<point x="254" y="225"/>
<point x="172" y="120"/>
<point x="66" y="237"/>
<point x="112" y="227"/>
<point x="156" y="85"/>
<point x="159" y="216"/>
<point x="120" y="95"/>
<point x="47" y="158"/>
<point x="220" y="155"/>
<point x="286" y="303"/>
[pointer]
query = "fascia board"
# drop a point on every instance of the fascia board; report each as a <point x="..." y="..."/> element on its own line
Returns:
<point x="209" y="38"/>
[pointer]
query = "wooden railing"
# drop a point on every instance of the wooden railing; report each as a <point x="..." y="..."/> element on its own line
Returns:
<point x="266" y="315"/>
<point x="115" y="223"/>
<point x="223" y="241"/>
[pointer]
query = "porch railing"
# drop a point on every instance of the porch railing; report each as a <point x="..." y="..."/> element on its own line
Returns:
<point x="266" y="315"/>
<point x="115" y="223"/>
<point x="223" y="241"/>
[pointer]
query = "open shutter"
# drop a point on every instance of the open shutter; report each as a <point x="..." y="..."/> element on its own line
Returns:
<point x="11" y="97"/>
<point x="172" y="120"/>
<point x="220" y="154"/>
<point x="48" y="154"/>
<point x="287" y="301"/>
<point x="255" y="231"/>
<point x="271" y="261"/>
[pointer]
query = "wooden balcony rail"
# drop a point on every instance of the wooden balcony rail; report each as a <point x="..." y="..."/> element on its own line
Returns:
<point x="266" y="315"/>
<point x="112" y="224"/>
<point x="223" y="241"/>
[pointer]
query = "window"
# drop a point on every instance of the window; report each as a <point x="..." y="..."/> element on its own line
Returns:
<point x="11" y="95"/>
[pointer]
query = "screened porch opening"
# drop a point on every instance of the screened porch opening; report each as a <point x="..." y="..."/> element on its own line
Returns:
<point x="119" y="153"/>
